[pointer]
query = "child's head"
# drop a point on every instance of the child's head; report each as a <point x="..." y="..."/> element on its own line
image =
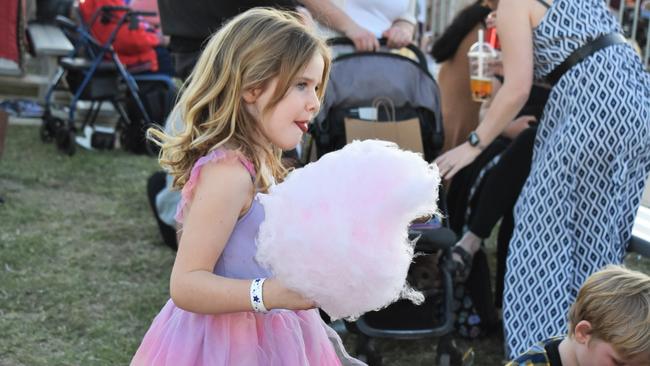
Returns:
<point x="258" y="82"/>
<point x="610" y="319"/>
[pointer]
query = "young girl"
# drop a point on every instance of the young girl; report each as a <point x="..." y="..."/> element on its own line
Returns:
<point x="252" y="94"/>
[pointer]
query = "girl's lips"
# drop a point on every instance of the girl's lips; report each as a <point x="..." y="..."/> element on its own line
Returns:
<point x="302" y="125"/>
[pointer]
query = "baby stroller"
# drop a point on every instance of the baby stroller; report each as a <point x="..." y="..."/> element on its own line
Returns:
<point x="90" y="76"/>
<point x="357" y="82"/>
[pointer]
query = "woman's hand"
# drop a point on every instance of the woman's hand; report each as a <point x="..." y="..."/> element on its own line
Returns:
<point x="456" y="159"/>
<point x="277" y="296"/>
<point x="362" y="38"/>
<point x="400" y="34"/>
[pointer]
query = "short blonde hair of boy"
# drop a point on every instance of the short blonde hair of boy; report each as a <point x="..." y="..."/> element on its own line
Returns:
<point x="616" y="301"/>
<point x="245" y="54"/>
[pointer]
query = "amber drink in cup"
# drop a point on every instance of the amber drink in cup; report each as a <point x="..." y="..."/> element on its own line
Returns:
<point x="482" y="57"/>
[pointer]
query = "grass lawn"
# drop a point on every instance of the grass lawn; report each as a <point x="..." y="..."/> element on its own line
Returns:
<point x="82" y="270"/>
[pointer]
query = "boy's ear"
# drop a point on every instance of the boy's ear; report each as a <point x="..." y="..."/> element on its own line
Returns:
<point x="251" y="95"/>
<point x="582" y="332"/>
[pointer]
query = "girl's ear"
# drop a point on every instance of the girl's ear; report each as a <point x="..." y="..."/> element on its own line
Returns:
<point x="583" y="332"/>
<point x="250" y="96"/>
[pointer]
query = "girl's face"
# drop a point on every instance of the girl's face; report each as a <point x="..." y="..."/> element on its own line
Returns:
<point x="284" y="124"/>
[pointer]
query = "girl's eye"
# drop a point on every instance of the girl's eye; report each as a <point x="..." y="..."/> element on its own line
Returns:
<point x="301" y="86"/>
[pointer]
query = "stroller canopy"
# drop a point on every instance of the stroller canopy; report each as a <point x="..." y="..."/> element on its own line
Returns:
<point x="359" y="78"/>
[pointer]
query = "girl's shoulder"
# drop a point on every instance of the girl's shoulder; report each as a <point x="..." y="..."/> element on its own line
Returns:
<point x="229" y="169"/>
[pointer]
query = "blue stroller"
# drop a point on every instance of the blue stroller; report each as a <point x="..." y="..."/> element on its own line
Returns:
<point x="90" y="76"/>
<point x="357" y="81"/>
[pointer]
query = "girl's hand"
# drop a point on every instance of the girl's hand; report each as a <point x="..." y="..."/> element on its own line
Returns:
<point x="400" y="34"/>
<point x="362" y="38"/>
<point x="456" y="159"/>
<point x="277" y="296"/>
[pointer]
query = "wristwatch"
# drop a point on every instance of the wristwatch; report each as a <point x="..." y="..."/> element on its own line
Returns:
<point x="474" y="140"/>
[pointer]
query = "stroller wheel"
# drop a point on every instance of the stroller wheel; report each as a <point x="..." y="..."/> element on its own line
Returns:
<point x="448" y="354"/>
<point x="65" y="141"/>
<point x="49" y="128"/>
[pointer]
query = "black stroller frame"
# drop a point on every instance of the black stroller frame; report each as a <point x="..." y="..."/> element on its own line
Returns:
<point x="86" y="63"/>
<point x="328" y="135"/>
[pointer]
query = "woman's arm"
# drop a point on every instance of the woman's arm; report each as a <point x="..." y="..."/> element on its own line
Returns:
<point x="515" y="34"/>
<point x="222" y="193"/>
<point x="330" y="15"/>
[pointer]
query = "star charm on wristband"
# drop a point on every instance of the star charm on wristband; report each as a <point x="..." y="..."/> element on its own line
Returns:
<point x="257" y="299"/>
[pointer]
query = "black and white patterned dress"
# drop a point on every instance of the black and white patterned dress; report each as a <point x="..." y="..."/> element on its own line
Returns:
<point x="590" y="162"/>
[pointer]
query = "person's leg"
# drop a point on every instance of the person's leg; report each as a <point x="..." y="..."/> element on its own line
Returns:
<point x="464" y="191"/>
<point x="184" y="63"/>
<point x="503" y="185"/>
<point x="155" y="184"/>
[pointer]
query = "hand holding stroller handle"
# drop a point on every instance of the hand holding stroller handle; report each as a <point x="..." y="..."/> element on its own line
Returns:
<point x="422" y="61"/>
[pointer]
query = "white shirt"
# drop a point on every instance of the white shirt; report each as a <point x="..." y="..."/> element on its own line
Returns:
<point x="378" y="15"/>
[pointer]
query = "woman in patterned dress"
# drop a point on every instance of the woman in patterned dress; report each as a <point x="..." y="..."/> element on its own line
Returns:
<point x="590" y="161"/>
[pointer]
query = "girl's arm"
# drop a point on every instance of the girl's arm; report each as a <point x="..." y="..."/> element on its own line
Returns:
<point x="515" y="34"/>
<point x="223" y="192"/>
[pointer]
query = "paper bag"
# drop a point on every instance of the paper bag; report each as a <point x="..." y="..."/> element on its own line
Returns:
<point x="406" y="134"/>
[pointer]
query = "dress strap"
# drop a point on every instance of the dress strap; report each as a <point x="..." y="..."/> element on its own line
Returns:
<point x="213" y="156"/>
<point x="547" y="5"/>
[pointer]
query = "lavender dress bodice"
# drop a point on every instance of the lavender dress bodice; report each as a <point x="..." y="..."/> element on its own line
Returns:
<point x="238" y="257"/>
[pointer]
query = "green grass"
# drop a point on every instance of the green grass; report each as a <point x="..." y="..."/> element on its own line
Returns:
<point x="82" y="270"/>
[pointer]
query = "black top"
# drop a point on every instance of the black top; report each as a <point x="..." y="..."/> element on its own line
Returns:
<point x="191" y="22"/>
<point x="553" y="352"/>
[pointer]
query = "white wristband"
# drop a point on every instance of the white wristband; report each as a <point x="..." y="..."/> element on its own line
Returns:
<point x="257" y="299"/>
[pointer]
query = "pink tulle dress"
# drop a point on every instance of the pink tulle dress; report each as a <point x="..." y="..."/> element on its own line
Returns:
<point x="280" y="337"/>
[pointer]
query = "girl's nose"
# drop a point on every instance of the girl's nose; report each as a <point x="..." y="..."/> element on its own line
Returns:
<point x="313" y="105"/>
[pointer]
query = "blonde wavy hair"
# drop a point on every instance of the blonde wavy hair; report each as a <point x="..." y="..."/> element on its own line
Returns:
<point x="616" y="301"/>
<point x="245" y="54"/>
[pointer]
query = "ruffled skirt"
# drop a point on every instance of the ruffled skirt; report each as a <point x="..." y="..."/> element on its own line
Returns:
<point x="280" y="337"/>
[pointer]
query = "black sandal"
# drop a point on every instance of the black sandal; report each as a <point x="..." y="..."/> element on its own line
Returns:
<point x="460" y="271"/>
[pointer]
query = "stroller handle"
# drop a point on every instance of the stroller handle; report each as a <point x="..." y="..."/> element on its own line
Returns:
<point x="144" y="13"/>
<point x="131" y="12"/>
<point x="111" y="8"/>
<point x="344" y="41"/>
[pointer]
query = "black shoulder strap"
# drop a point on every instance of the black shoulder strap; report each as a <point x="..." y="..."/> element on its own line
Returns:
<point x="547" y="5"/>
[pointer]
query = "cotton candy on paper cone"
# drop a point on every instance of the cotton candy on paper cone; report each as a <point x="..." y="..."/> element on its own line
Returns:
<point x="337" y="230"/>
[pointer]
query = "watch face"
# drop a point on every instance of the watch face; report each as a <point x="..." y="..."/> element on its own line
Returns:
<point x="473" y="139"/>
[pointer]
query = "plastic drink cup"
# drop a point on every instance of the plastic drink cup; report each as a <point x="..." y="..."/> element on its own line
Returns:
<point x="481" y="58"/>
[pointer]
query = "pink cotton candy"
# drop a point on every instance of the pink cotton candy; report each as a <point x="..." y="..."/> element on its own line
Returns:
<point x="337" y="230"/>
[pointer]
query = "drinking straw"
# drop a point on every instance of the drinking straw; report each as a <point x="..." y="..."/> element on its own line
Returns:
<point x="480" y="53"/>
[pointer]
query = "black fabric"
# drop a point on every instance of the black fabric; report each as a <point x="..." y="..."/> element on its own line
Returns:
<point x="190" y="23"/>
<point x="445" y="47"/>
<point x="547" y="5"/>
<point x="503" y="183"/>
<point x="47" y="10"/>
<point x="155" y="184"/>
<point x="480" y="290"/>
<point x="495" y="196"/>
<point x="553" y="352"/>
<point x="158" y="102"/>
